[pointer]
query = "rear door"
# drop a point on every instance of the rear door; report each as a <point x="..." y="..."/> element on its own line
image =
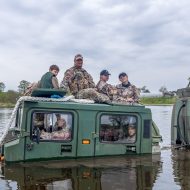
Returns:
<point x="51" y="134"/>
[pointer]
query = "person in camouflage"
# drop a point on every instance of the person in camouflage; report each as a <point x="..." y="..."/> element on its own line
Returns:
<point x="103" y="87"/>
<point x="76" y="78"/>
<point x="102" y="93"/>
<point x="92" y="94"/>
<point x="126" y="91"/>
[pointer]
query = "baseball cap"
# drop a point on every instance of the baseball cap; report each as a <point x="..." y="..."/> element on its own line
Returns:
<point x="105" y="73"/>
<point x="123" y="74"/>
<point x="78" y="56"/>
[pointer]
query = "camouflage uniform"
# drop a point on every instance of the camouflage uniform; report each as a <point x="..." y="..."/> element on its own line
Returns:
<point x="92" y="94"/>
<point x="76" y="79"/>
<point x="106" y="89"/>
<point x="127" y="91"/>
<point x="38" y="120"/>
<point x="30" y="88"/>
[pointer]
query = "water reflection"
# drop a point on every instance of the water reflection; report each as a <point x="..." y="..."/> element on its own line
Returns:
<point x="94" y="174"/>
<point x="162" y="117"/>
<point x="181" y="168"/>
<point x="4" y="117"/>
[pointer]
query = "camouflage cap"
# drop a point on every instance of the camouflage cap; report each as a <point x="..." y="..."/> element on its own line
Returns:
<point x="78" y="56"/>
<point x="105" y="73"/>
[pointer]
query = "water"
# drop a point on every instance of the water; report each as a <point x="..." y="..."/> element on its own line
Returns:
<point x="170" y="170"/>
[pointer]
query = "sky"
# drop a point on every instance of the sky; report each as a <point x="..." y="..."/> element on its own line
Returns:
<point x="149" y="40"/>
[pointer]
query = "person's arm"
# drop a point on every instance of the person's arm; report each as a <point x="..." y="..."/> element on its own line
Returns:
<point x="55" y="83"/>
<point x="135" y="94"/>
<point x="66" y="80"/>
<point x="89" y="78"/>
<point x="38" y="85"/>
<point x="90" y="81"/>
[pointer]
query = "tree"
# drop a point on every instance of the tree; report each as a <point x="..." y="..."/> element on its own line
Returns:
<point x="167" y="93"/>
<point x="144" y="90"/>
<point x="23" y="86"/>
<point x="163" y="89"/>
<point x="188" y="82"/>
<point x="2" y="86"/>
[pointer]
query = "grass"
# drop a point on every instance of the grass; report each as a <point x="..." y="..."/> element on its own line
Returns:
<point x="8" y="100"/>
<point x="158" y="100"/>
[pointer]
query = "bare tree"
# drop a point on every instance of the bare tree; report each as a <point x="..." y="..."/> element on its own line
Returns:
<point x="163" y="89"/>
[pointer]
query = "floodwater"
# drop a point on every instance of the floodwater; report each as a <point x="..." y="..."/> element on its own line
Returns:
<point x="169" y="170"/>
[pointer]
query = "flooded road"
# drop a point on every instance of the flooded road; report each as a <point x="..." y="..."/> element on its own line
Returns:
<point x="170" y="170"/>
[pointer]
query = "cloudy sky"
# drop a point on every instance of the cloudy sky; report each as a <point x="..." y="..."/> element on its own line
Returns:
<point x="149" y="40"/>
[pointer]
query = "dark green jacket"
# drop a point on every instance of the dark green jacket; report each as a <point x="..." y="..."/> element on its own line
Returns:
<point x="46" y="80"/>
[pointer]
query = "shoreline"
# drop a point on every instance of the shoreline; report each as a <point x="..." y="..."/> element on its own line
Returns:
<point x="7" y="105"/>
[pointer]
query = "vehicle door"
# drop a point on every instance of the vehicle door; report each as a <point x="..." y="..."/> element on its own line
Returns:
<point x="51" y="134"/>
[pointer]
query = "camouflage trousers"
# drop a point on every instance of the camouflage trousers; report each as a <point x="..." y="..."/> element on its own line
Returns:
<point x="30" y="88"/>
<point x="122" y="100"/>
<point x="92" y="94"/>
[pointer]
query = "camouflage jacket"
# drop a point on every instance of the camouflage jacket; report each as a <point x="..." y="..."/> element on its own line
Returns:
<point x="129" y="91"/>
<point x="107" y="89"/>
<point x="76" y="79"/>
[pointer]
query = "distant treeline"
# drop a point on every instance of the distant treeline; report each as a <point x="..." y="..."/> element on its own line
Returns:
<point x="9" y="98"/>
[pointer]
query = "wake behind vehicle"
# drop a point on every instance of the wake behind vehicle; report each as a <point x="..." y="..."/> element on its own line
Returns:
<point x="68" y="128"/>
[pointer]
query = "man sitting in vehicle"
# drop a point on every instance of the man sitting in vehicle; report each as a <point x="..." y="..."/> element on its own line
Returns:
<point x="131" y="138"/>
<point x="62" y="131"/>
<point x="126" y="91"/>
<point x="103" y="91"/>
<point x="76" y="78"/>
<point x="103" y="87"/>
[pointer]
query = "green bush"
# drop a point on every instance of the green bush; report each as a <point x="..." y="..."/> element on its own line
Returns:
<point x="9" y="97"/>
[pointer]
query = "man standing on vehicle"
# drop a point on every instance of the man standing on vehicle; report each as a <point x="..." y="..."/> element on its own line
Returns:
<point x="76" y="78"/>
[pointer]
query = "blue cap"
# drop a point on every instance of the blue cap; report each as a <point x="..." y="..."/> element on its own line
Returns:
<point x="105" y="73"/>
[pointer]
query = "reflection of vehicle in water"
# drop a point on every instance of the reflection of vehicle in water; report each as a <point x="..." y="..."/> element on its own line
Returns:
<point x="89" y="130"/>
<point x="181" y="168"/>
<point x="180" y="126"/>
<point x="94" y="174"/>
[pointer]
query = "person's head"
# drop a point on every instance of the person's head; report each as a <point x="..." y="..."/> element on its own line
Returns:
<point x="104" y="75"/>
<point x="61" y="123"/>
<point x="131" y="130"/>
<point x="78" y="61"/>
<point x="54" y="69"/>
<point x="123" y="77"/>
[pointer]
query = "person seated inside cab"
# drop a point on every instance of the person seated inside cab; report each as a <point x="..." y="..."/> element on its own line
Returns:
<point x="131" y="131"/>
<point x="62" y="131"/>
